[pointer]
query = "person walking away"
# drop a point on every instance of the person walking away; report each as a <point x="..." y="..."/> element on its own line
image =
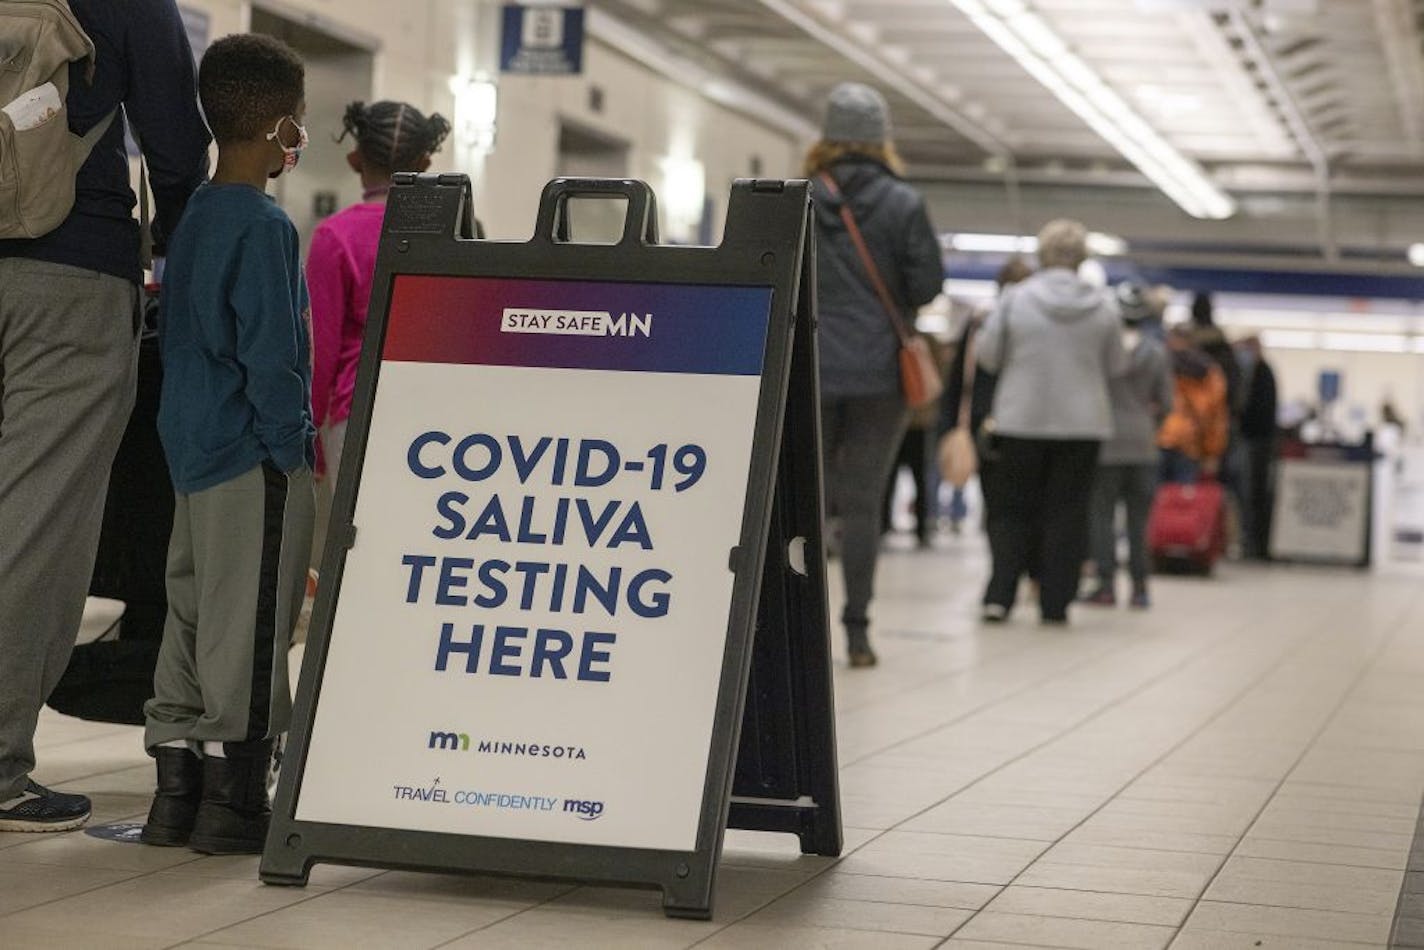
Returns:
<point x="863" y="414"/>
<point x="914" y="455"/>
<point x="1194" y="436"/>
<point x="69" y="327"/>
<point x="1054" y="341"/>
<point x="389" y="137"/>
<point x="1208" y="337"/>
<point x="1258" y="433"/>
<point x="1127" y="465"/>
<point x="236" y="423"/>
<point x="981" y="387"/>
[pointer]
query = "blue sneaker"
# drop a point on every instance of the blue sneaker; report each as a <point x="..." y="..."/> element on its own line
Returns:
<point x="40" y="809"/>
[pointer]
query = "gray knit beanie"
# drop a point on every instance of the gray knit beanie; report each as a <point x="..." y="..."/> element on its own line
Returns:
<point x="856" y="113"/>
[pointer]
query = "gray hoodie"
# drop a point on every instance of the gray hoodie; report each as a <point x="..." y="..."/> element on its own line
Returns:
<point x="1141" y="398"/>
<point x="1054" y="341"/>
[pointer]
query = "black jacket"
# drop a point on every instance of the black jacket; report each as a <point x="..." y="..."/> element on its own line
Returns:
<point x="142" y="61"/>
<point x="1258" y="412"/>
<point x="1211" y="341"/>
<point x="859" y="348"/>
<point x="981" y="402"/>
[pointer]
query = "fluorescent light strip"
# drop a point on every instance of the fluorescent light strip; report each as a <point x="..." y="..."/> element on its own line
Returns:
<point x="1290" y="340"/>
<point x="1321" y="321"/>
<point x="1038" y="49"/>
<point x="1103" y="245"/>
<point x="970" y="289"/>
<point x="1342" y="342"/>
<point x="993" y="243"/>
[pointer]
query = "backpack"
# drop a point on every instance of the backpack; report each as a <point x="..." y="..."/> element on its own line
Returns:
<point x="38" y="41"/>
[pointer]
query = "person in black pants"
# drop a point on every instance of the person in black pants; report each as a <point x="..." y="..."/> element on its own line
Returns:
<point x="1258" y="433"/>
<point x="912" y="455"/>
<point x="982" y="383"/>
<point x="1054" y="341"/>
<point x="1044" y="493"/>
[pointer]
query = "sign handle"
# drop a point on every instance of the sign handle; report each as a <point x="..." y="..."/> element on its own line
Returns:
<point x="640" y="226"/>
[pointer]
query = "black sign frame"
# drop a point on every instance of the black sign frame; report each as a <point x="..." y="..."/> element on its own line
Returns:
<point x="788" y="781"/>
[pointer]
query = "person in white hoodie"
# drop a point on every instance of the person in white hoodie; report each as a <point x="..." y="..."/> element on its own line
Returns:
<point x="1054" y="341"/>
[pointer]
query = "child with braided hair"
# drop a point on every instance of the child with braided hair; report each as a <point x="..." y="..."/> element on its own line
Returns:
<point x="389" y="137"/>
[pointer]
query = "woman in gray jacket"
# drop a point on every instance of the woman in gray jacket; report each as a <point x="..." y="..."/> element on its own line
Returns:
<point x="863" y="415"/>
<point x="1127" y="465"/>
<point x="1054" y="341"/>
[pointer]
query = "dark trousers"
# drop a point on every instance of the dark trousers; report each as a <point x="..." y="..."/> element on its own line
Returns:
<point x="1133" y="485"/>
<point x="860" y="436"/>
<point x="1178" y="468"/>
<point x="913" y="455"/>
<point x="1258" y="496"/>
<point x="1040" y="511"/>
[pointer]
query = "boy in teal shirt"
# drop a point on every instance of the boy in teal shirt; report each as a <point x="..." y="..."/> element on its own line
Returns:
<point x="236" y="424"/>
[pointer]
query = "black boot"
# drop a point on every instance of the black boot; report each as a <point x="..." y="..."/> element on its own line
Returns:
<point x="235" y="811"/>
<point x="858" y="643"/>
<point x="175" y="804"/>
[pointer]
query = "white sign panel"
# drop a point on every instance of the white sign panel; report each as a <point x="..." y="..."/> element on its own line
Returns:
<point x="530" y="630"/>
<point x="1322" y="511"/>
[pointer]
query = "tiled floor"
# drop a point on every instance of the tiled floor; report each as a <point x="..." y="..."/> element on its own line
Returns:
<point x="1242" y="767"/>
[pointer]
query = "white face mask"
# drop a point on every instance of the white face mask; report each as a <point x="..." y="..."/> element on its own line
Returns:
<point x="291" y="154"/>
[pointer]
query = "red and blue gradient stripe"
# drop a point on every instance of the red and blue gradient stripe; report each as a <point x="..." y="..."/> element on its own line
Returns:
<point x="715" y="330"/>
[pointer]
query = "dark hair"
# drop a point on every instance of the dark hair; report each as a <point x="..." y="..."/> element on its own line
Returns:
<point x="246" y="82"/>
<point x="393" y="136"/>
<point x="1015" y="269"/>
<point x="1202" y="311"/>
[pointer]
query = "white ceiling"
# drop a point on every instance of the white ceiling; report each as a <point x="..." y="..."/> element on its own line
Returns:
<point x="1267" y="95"/>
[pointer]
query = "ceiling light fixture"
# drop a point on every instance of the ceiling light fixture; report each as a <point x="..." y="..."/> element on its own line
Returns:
<point x="1099" y="244"/>
<point x="1026" y="37"/>
<point x="1416" y="255"/>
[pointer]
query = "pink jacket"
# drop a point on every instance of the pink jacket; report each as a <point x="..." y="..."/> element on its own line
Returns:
<point x="340" y="266"/>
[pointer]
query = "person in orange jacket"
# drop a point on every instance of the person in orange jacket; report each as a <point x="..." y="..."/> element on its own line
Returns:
<point x="1194" y="436"/>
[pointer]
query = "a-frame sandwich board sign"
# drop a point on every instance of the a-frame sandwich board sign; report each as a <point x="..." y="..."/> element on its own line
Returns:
<point x="578" y="513"/>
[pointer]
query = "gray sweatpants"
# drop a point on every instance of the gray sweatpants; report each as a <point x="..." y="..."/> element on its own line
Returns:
<point x="237" y="569"/>
<point x="1134" y="486"/>
<point x="860" y="436"/>
<point x="68" y="357"/>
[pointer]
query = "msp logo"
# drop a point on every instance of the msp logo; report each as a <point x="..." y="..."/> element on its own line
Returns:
<point x="584" y="810"/>
<point x="576" y="322"/>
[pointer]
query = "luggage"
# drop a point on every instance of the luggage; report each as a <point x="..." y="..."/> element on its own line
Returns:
<point x="110" y="679"/>
<point x="1186" y="530"/>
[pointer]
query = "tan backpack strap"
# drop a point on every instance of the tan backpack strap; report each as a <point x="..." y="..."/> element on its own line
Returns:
<point x="89" y="139"/>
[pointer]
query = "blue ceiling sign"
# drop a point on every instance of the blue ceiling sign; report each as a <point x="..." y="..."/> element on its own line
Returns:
<point x="542" y="40"/>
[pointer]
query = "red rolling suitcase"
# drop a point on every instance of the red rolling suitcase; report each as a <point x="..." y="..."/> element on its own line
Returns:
<point x="1187" y="527"/>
